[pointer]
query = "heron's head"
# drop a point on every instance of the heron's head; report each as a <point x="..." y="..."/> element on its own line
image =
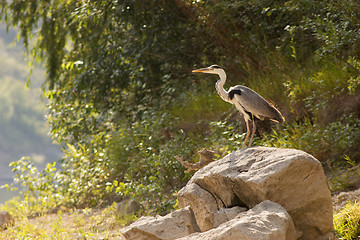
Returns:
<point x="213" y="69"/>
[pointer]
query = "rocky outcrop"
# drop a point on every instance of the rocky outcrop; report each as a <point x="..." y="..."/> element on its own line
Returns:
<point x="245" y="178"/>
<point x="254" y="193"/>
<point x="175" y="225"/>
<point x="266" y="221"/>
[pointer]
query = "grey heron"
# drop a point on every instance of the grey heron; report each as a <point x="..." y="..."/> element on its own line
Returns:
<point x="246" y="101"/>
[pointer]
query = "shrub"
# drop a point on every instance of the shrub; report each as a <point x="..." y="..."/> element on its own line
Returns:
<point x="347" y="222"/>
<point x="328" y="144"/>
<point x="38" y="190"/>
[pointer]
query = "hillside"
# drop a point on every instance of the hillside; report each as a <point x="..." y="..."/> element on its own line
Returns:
<point x="23" y="129"/>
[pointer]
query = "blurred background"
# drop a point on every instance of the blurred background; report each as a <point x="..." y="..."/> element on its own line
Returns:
<point x="23" y="127"/>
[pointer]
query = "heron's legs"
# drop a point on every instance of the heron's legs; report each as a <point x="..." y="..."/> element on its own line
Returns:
<point x="247" y="133"/>
<point x="253" y="131"/>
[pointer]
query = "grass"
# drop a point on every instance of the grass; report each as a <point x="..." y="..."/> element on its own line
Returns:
<point x="344" y="179"/>
<point x="347" y="222"/>
<point x="67" y="224"/>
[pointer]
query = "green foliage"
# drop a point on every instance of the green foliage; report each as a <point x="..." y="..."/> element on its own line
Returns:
<point x="328" y="144"/>
<point x="338" y="29"/>
<point x="340" y="181"/>
<point x="38" y="190"/>
<point x="144" y="162"/>
<point x="347" y="222"/>
<point x="83" y="174"/>
<point x="198" y="105"/>
<point x="354" y="81"/>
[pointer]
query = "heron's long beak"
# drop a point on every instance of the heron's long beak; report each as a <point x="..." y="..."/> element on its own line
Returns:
<point x="201" y="70"/>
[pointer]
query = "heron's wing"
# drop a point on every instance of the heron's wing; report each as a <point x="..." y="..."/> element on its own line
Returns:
<point x="254" y="103"/>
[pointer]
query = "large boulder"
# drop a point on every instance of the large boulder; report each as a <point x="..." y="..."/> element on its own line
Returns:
<point x="247" y="177"/>
<point x="266" y="221"/>
<point x="175" y="225"/>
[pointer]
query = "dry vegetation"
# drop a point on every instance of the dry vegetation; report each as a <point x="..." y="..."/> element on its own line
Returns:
<point x="65" y="223"/>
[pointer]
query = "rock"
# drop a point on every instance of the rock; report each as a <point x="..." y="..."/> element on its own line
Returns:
<point x="226" y="214"/>
<point x="247" y="177"/>
<point x="202" y="203"/>
<point x="6" y="220"/>
<point x="175" y="225"/>
<point x="340" y="200"/>
<point x="127" y="206"/>
<point x="266" y="221"/>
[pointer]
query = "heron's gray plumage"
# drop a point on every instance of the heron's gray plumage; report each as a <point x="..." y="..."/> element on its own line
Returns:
<point x="247" y="101"/>
<point x="255" y="104"/>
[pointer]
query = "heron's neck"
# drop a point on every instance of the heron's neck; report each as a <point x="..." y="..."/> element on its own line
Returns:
<point x="220" y="86"/>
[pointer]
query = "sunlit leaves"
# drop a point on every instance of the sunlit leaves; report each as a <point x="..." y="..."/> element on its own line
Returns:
<point x="38" y="189"/>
